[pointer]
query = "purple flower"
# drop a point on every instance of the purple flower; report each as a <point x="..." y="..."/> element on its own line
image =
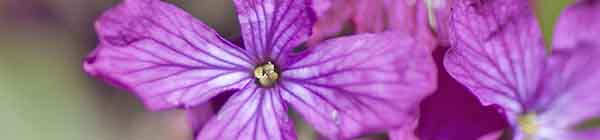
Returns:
<point x="499" y="55"/>
<point x="344" y="87"/>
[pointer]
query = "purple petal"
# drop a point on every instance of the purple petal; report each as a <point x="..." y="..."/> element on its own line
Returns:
<point x="498" y="51"/>
<point x="569" y="95"/>
<point x="164" y="55"/>
<point x="352" y="85"/>
<point x="579" y="22"/>
<point x="439" y="118"/>
<point x="271" y="28"/>
<point x="253" y="113"/>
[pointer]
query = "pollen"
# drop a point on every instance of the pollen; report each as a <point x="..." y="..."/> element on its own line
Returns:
<point x="528" y="124"/>
<point x="266" y="74"/>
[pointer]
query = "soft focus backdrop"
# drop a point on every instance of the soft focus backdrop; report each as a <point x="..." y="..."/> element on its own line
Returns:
<point x="44" y="93"/>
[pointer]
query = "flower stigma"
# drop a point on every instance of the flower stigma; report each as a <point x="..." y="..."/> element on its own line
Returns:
<point x="528" y="124"/>
<point x="266" y="74"/>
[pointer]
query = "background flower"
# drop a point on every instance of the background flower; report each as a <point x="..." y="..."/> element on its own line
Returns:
<point x="498" y="53"/>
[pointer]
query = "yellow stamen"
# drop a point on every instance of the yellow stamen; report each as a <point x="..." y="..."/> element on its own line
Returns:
<point x="266" y="74"/>
<point x="528" y="124"/>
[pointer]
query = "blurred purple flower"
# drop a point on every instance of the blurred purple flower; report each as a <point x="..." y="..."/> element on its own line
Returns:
<point x="498" y="53"/>
<point x="366" y="16"/>
<point x="344" y="87"/>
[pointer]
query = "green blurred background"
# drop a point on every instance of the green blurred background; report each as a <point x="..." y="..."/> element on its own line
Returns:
<point x="44" y="93"/>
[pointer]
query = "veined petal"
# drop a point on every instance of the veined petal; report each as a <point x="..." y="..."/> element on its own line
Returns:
<point x="579" y="22"/>
<point x="273" y="27"/>
<point x="570" y="94"/>
<point x="497" y="52"/>
<point x="164" y="55"/>
<point x="348" y="86"/>
<point x="252" y="114"/>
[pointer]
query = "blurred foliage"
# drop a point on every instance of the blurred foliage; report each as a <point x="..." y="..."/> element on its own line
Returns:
<point x="45" y="95"/>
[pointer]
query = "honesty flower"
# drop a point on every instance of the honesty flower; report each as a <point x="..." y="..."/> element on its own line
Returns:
<point x="344" y="87"/>
<point x="499" y="55"/>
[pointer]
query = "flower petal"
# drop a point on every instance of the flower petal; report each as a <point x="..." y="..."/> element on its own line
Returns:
<point x="352" y="85"/>
<point x="252" y="114"/>
<point x="570" y="94"/>
<point x="164" y="55"/>
<point x="273" y="27"/>
<point x="579" y="22"/>
<point x="439" y="118"/>
<point x="498" y="51"/>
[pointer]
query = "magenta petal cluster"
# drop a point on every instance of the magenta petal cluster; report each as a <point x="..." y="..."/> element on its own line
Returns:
<point x="344" y="87"/>
<point x="498" y="53"/>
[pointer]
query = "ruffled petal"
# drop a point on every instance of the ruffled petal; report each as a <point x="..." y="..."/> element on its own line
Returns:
<point x="164" y="55"/>
<point x="271" y="28"/>
<point x="352" y="85"/>
<point x="439" y="118"/>
<point x="579" y="22"/>
<point x="570" y="94"/>
<point x="497" y="52"/>
<point x="252" y="114"/>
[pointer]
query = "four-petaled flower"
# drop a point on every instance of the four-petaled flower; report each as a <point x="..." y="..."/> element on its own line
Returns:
<point x="498" y="53"/>
<point x="344" y="87"/>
